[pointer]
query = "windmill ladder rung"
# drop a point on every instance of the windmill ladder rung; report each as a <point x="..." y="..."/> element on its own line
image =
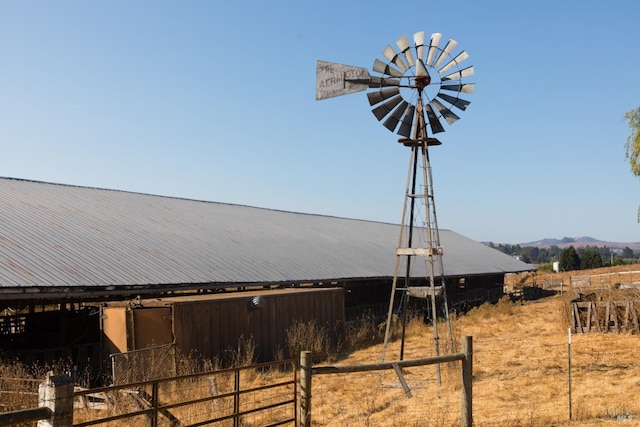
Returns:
<point x="420" y="251"/>
<point x="419" y="196"/>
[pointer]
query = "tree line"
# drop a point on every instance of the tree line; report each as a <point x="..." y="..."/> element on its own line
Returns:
<point x="570" y="258"/>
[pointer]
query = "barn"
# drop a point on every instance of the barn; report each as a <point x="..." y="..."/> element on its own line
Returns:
<point x="68" y="253"/>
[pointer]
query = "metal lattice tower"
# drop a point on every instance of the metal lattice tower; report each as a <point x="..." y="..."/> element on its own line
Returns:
<point x="419" y="242"/>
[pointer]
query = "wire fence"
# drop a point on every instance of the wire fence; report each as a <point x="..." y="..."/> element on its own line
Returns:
<point x="144" y="364"/>
<point x="578" y="283"/>
<point x="536" y="380"/>
<point x="256" y="395"/>
<point x="18" y="393"/>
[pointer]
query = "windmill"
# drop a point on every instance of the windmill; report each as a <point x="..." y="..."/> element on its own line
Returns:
<point x="416" y="87"/>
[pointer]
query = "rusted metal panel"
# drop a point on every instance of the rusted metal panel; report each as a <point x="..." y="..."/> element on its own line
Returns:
<point x="114" y="329"/>
<point x="152" y="327"/>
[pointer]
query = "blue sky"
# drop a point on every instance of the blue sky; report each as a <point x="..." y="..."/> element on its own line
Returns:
<point x="216" y="101"/>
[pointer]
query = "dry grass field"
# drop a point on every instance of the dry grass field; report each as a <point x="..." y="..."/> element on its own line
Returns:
<point x="521" y="371"/>
<point x="521" y="375"/>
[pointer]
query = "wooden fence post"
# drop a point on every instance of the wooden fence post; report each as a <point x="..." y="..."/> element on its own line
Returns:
<point x="467" y="382"/>
<point x="305" y="388"/>
<point x="56" y="393"/>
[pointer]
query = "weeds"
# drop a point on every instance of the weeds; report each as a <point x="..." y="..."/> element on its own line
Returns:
<point x="503" y="308"/>
<point x="244" y="355"/>
<point x="362" y="332"/>
<point x="307" y="336"/>
<point x="19" y="383"/>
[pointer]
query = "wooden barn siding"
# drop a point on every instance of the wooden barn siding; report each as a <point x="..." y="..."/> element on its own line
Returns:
<point x="215" y="326"/>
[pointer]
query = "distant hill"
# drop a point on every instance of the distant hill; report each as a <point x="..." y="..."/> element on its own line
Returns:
<point x="577" y="242"/>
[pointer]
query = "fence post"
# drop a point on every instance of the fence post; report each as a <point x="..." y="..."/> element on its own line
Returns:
<point x="467" y="382"/>
<point x="236" y="398"/>
<point x="155" y="402"/>
<point x="569" y="363"/>
<point x="305" y="388"/>
<point x="56" y="393"/>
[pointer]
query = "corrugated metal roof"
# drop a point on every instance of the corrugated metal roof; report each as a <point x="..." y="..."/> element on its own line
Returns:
<point x="59" y="235"/>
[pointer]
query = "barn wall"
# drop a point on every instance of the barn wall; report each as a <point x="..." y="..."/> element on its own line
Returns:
<point x="214" y="326"/>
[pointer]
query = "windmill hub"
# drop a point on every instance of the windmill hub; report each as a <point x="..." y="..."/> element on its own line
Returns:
<point x="422" y="82"/>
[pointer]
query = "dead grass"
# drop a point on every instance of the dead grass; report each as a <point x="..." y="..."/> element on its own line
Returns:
<point x="521" y="372"/>
<point x="521" y="375"/>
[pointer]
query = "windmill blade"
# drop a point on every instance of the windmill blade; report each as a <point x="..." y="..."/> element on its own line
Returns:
<point x="386" y="69"/>
<point x="436" y="127"/>
<point x="418" y="40"/>
<point x="465" y="72"/>
<point x="448" y="115"/>
<point x="405" y="49"/>
<point x="392" y="56"/>
<point x="392" y="121"/>
<point x="381" y="111"/>
<point x="421" y="70"/>
<point x="382" y="82"/>
<point x="407" y="122"/>
<point x="379" y="96"/>
<point x="456" y="102"/>
<point x="455" y="61"/>
<point x="433" y="47"/>
<point x="445" y="52"/>
<point x="464" y="88"/>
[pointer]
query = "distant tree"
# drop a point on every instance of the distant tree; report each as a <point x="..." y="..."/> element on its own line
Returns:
<point x="605" y="254"/>
<point x="632" y="147"/>
<point x="627" y="253"/>
<point x="531" y="253"/>
<point x="554" y="252"/>
<point x="590" y="259"/>
<point x="569" y="259"/>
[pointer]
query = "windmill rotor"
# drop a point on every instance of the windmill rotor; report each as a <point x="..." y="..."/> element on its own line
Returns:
<point x="426" y="71"/>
